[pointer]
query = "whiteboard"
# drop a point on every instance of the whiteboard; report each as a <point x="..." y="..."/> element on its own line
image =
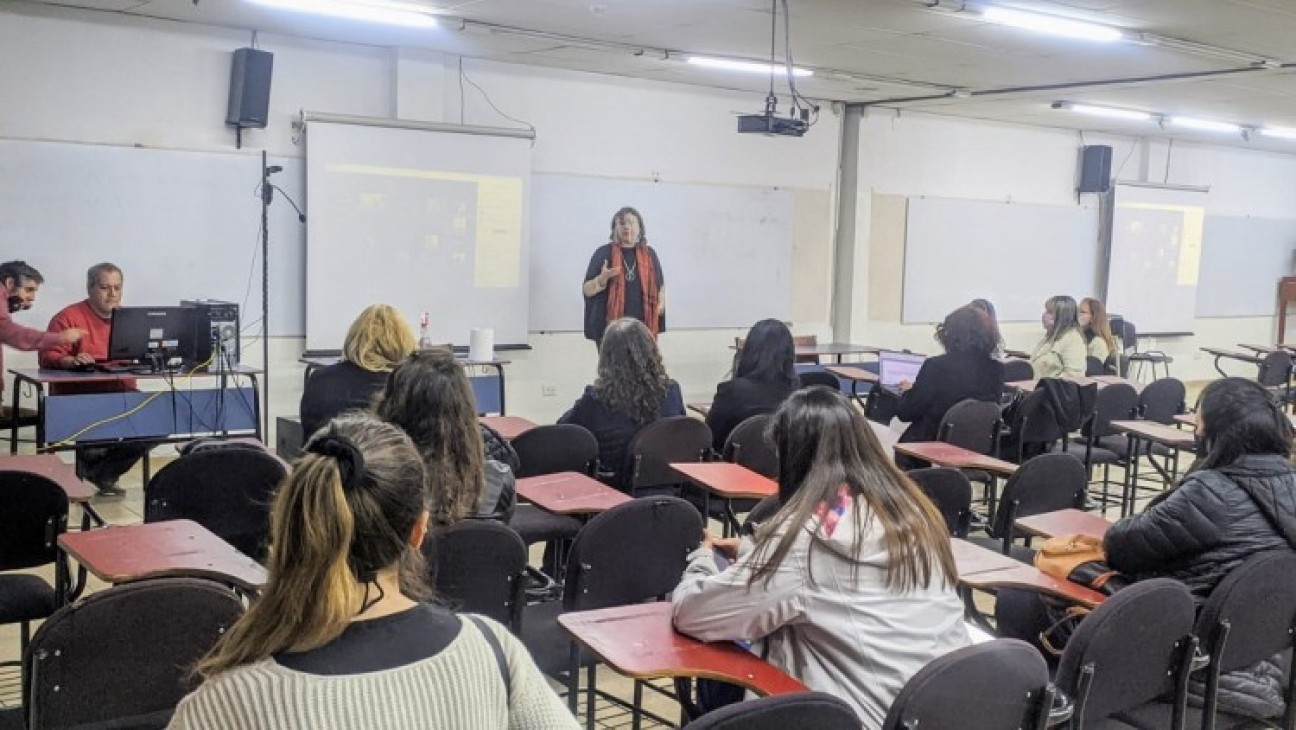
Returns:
<point x="1242" y="259"/>
<point x="1155" y="259"/>
<point x="1017" y="255"/>
<point x="181" y="225"/>
<point x="725" y="251"/>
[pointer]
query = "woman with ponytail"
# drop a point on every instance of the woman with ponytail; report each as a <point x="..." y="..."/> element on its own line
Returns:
<point x="339" y="637"/>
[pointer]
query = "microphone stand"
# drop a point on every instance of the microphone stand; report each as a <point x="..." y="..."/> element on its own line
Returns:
<point x="267" y="196"/>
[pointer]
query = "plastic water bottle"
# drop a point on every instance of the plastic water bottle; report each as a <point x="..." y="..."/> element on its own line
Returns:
<point x="424" y="340"/>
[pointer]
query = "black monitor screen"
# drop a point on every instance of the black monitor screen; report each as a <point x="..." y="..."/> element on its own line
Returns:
<point x="138" y="332"/>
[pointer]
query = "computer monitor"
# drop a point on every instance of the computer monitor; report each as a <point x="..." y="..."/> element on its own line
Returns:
<point x="155" y="336"/>
<point x="894" y="367"/>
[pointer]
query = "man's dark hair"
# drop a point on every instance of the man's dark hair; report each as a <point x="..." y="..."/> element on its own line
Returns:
<point x="20" y="271"/>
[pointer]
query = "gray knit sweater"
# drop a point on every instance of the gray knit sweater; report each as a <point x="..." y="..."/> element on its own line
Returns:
<point x="460" y="687"/>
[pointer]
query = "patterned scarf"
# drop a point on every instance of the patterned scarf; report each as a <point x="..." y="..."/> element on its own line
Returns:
<point x="646" y="279"/>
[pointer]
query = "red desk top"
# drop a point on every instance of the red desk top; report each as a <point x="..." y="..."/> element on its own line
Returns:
<point x="1157" y="433"/>
<point x="955" y="457"/>
<point x="639" y="641"/>
<point x="1101" y="381"/>
<point x="1028" y="577"/>
<point x="123" y="553"/>
<point x="852" y="373"/>
<point x="1190" y="419"/>
<point x="1065" y="522"/>
<point x="52" y="467"/>
<point x="728" y="481"/>
<point x="509" y="427"/>
<point x="971" y="558"/>
<point x="569" y="493"/>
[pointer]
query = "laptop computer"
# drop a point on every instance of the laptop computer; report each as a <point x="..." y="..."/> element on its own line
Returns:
<point x="894" y="367"/>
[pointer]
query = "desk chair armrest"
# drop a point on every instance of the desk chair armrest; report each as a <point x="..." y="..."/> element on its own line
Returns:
<point x="1061" y="708"/>
<point x="1199" y="661"/>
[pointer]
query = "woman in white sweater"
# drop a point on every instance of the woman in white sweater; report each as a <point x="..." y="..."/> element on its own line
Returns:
<point x="850" y="587"/>
<point x="336" y="640"/>
<point x="1062" y="352"/>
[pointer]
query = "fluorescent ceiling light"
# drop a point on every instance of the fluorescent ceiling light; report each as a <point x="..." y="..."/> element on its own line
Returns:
<point x="746" y="66"/>
<point x="1205" y="125"/>
<point x="373" y="11"/>
<point x="1104" y="111"/>
<point x="1279" y="132"/>
<point x="1052" y="24"/>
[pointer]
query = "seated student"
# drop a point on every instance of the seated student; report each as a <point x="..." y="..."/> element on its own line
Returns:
<point x="851" y="584"/>
<point x="630" y="392"/>
<point x="428" y="396"/>
<point x="102" y="466"/>
<point x="1062" y="351"/>
<point x="966" y="370"/>
<point x="377" y="341"/>
<point x="763" y="377"/>
<point x="339" y="637"/>
<point x="1238" y="500"/>
<point x="984" y="305"/>
<point x="1097" y="330"/>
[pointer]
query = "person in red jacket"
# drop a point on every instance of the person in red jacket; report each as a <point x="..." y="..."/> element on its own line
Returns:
<point x="100" y="465"/>
<point x="20" y="283"/>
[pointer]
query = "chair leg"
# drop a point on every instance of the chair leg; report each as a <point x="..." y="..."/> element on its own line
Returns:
<point x="573" y="677"/>
<point x="26" y="637"/>
<point x="591" y="694"/>
<point x="636" y="720"/>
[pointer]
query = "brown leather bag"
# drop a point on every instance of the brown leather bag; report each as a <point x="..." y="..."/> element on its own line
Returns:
<point x="1079" y="559"/>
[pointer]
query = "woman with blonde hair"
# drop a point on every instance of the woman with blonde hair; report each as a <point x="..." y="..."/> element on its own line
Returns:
<point x="1097" y="330"/>
<point x="377" y="341"/>
<point x="338" y="637"/>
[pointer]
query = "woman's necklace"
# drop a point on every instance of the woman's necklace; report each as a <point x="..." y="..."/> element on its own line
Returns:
<point x="626" y="260"/>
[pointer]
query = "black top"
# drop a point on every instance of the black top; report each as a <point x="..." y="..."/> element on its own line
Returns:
<point x="410" y="636"/>
<point x="739" y="399"/>
<point x="613" y="429"/>
<point x="943" y="381"/>
<point x="596" y="306"/>
<point x="336" y="388"/>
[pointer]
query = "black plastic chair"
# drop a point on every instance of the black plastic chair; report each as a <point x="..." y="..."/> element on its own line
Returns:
<point x="803" y="710"/>
<point x="748" y="447"/>
<point x="477" y="567"/>
<point x="1133" y="358"/>
<point x="951" y="492"/>
<point x="1046" y="483"/>
<point x="764" y="509"/>
<point x="1116" y="402"/>
<point x="657" y="445"/>
<point x="226" y="489"/>
<point x="1275" y="369"/>
<point x="122" y="657"/>
<point x="549" y="450"/>
<point x="974" y="425"/>
<point x="811" y="378"/>
<point x="999" y="684"/>
<point x="1162" y="400"/>
<point x="1017" y="370"/>
<point x="1136" y="647"/>
<point x="33" y="513"/>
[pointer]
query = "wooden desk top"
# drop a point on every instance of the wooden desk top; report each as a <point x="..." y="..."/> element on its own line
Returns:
<point x="972" y="558"/>
<point x="569" y="493"/>
<point x="1190" y="419"/>
<point x="1157" y="433"/>
<point x="1029" y="577"/>
<point x="123" y="553"/>
<point x="955" y="457"/>
<point x="726" y="480"/>
<point x="64" y="377"/>
<point x="852" y="373"/>
<point x="1065" y="522"/>
<point x="639" y="641"/>
<point x="509" y="427"/>
<point x="703" y="408"/>
<point x="1233" y="354"/>
<point x="54" y="468"/>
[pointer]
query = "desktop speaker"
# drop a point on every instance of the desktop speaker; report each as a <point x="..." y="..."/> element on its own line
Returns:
<point x="249" y="94"/>
<point x="1095" y="169"/>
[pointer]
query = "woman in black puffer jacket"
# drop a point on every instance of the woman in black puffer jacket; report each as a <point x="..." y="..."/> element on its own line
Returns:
<point x="1239" y="499"/>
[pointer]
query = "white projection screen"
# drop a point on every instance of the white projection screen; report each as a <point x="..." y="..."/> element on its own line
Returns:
<point x="1155" y="257"/>
<point x="424" y="220"/>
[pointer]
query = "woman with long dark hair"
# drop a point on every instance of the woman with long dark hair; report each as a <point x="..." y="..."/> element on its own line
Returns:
<point x="763" y="377"/>
<point x="339" y="637"/>
<point x="851" y="585"/>
<point x="624" y="279"/>
<point x="631" y="391"/>
<point x="1062" y="351"/>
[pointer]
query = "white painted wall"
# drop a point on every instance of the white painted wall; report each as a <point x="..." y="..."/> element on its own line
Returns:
<point x="914" y="154"/>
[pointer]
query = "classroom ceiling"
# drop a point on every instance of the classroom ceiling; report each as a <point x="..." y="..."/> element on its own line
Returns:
<point x="1229" y="60"/>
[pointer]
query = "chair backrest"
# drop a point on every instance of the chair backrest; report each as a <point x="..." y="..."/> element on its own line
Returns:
<point x="951" y="492"/>
<point x="556" y="448"/>
<point x="748" y="446"/>
<point x="1162" y="400"/>
<point x="1275" y="369"/>
<point x="631" y="553"/>
<point x="1251" y="614"/>
<point x="998" y="684"/>
<point x="33" y="513"/>
<point x="1134" y="648"/>
<point x="764" y="509"/>
<point x="477" y="566"/>
<point x="666" y="440"/>
<point x="972" y="425"/>
<point x="1116" y="402"/>
<point x="1016" y="370"/>
<point x="802" y="710"/>
<point x="1045" y="483"/>
<point x="1125" y="331"/>
<point x="811" y="378"/>
<point x="226" y="490"/>
<point x="124" y="654"/>
<point x="1094" y="366"/>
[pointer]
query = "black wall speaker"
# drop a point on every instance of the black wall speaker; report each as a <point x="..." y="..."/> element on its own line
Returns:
<point x="249" y="93"/>
<point x="1095" y="169"/>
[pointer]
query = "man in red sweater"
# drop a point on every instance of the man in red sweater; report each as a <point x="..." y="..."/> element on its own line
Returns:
<point x="100" y="465"/>
<point x="20" y="283"/>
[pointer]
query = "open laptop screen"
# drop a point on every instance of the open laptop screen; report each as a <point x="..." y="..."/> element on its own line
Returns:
<point x="894" y="367"/>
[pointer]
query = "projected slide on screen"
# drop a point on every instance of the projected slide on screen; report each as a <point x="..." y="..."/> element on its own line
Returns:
<point x="1155" y="257"/>
<point x="422" y="220"/>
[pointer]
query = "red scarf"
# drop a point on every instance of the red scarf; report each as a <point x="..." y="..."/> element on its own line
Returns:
<point x="646" y="280"/>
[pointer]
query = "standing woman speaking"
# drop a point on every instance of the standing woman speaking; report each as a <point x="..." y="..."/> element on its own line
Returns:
<point x="624" y="279"/>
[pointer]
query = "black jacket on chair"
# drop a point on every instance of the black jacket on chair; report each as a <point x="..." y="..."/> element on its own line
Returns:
<point x="739" y="399"/>
<point x="943" y="381"/>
